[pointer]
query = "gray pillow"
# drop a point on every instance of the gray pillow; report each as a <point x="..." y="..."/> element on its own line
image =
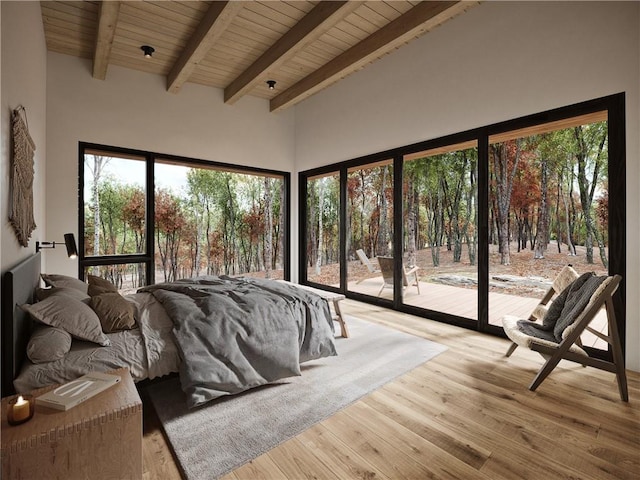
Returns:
<point x="114" y="311"/>
<point x="53" y="280"/>
<point x="98" y="286"/>
<point x="48" y="344"/>
<point x="70" y="315"/>
<point x="43" y="293"/>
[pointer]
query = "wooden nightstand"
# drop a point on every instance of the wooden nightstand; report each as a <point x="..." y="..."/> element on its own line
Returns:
<point x="99" y="439"/>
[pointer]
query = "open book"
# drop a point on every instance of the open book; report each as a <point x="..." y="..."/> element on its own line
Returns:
<point x="77" y="391"/>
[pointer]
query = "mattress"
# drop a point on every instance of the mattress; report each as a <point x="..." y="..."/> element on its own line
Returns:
<point x="149" y="351"/>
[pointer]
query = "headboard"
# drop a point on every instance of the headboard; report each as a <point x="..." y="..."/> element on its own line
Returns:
<point x="18" y="287"/>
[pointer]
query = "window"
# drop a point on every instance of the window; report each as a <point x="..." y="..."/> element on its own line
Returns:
<point x="548" y="206"/>
<point x="440" y="219"/>
<point x="370" y="227"/>
<point x="152" y="218"/>
<point x="484" y="219"/>
<point x="322" y="229"/>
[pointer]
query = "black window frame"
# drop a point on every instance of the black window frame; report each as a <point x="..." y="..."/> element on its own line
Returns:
<point x="614" y="105"/>
<point x="147" y="258"/>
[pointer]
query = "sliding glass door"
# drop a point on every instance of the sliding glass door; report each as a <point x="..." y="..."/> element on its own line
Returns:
<point x="549" y="198"/>
<point x="440" y="236"/>
<point x="470" y="227"/>
<point x="370" y="213"/>
<point x="322" y="230"/>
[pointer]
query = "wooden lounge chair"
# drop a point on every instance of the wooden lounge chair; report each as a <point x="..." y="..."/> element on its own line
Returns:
<point x="568" y="346"/>
<point x="365" y="261"/>
<point x="409" y="277"/>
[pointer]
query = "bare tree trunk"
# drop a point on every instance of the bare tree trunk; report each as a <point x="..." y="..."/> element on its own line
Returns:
<point x="277" y="254"/>
<point x="602" y="248"/>
<point x="558" y="228"/>
<point x="504" y="185"/>
<point x="434" y="218"/>
<point x="321" y="194"/>
<point x="542" y="230"/>
<point x="383" y="229"/>
<point x="411" y="222"/>
<point x="567" y="213"/>
<point x="472" y="215"/>
<point x="362" y="209"/>
<point x="99" y="164"/>
<point x="587" y="190"/>
<point x="268" y="227"/>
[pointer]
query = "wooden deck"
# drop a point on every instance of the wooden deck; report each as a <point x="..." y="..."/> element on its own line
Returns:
<point x="464" y="303"/>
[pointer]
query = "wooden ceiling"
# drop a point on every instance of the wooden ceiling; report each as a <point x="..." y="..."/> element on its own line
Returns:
<point x="237" y="46"/>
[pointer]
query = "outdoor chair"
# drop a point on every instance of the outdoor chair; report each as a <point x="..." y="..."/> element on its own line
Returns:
<point x="554" y="329"/>
<point x="365" y="261"/>
<point x="409" y="277"/>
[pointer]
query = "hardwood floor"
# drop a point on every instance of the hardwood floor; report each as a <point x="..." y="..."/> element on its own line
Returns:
<point x="467" y="414"/>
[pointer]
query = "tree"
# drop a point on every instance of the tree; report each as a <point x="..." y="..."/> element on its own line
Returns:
<point x="453" y="183"/>
<point x="504" y="158"/>
<point x="321" y="198"/>
<point x="133" y="214"/>
<point x="433" y="197"/>
<point x="96" y="165"/>
<point x="268" y="207"/>
<point x="471" y="231"/>
<point x="591" y="157"/>
<point x="602" y="216"/>
<point x="169" y="220"/>
<point x="412" y="196"/>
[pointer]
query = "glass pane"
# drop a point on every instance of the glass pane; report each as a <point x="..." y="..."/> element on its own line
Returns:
<point x="370" y="229"/>
<point x="440" y="236"/>
<point x="323" y="229"/>
<point x="215" y="222"/>
<point x="548" y="208"/>
<point x="126" y="277"/>
<point x="114" y="204"/>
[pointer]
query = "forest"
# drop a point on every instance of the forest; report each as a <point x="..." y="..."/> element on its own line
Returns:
<point x="548" y="190"/>
<point x="219" y="222"/>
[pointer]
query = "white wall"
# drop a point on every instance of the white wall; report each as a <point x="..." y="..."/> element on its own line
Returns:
<point x="500" y="60"/>
<point x="24" y="64"/>
<point x="132" y="109"/>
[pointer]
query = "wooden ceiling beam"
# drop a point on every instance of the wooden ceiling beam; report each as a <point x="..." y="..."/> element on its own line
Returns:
<point x="215" y="22"/>
<point x="107" y="21"/>
<point x="421" y="18"/>
<point x="311" y="27"/>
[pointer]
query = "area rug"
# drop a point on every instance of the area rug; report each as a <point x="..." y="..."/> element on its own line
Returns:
<point x="224" y="434"/>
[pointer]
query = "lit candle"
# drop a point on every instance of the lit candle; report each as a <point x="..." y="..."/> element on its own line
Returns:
<point x="20" y="410"/>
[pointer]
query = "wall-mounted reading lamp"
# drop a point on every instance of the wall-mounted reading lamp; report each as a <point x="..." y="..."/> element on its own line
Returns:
<point x="69" y="242"/>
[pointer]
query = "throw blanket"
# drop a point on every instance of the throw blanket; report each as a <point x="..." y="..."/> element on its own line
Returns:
<point x="565" y="308"/>
<point x="238" y="333"/>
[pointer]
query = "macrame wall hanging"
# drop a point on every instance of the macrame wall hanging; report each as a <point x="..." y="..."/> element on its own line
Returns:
<point x="21" y="184"/>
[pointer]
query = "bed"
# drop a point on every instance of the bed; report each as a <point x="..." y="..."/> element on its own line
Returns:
<point x="222" y="335"/>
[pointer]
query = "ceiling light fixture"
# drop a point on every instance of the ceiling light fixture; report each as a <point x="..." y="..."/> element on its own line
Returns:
<point x="148" y="51"/>
<point x="272" y="84"/>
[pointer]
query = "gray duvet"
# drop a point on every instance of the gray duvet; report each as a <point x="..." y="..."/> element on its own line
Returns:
<point x="239" y="333"/>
